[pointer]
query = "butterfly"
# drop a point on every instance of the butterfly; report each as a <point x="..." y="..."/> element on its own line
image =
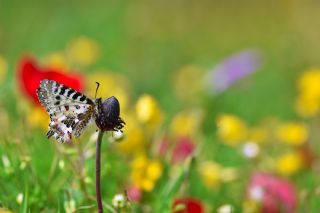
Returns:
<point x="71" y="111"/>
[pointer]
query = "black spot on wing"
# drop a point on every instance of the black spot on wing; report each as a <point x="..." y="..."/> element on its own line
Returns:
<point x="83" y="98"/>
<point x="75" y="96"/>
<point x="63" y="89"/>
<point x="70" y="92"/>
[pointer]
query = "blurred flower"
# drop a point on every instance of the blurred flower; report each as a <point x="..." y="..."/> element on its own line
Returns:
<point x="293" y="133"/>
<point x="309" y="83"/>
<point x="145" y="172"/>
<point x="3" y="210"/>
<point x="57" y="60"/>
<point x="273" y="193"/>
<point x="212" y="174"/>
<point x="148" y="110"/>
<point x="134" y="194"/>
<point x="30" y="74"/>
<point x="37" y="117"/>
<point x="226" y="208"/>
<point x="61" y="164"/>
<point x="308" y="101"/>
<point x="83" y="51"/>
<point x="187" y="82"/>
<point x="134" y="137"/>
<point x="19" y="198"/>
<point x="250" y="150"/>
<point x="187" y="123"/>
<point x="183" y="149"/>
<point x="116" y="136"/>
<point x="70" y="206"/>
<point x="231" y="129"/>
<point x="257" y="135"/>
<point x="188" y="205"/>
<point x="307" y="106"/>
<point x="232" y="69"/>
<point x="289" y="163"/>
<point x="111" y="84"/>
<point x="119" y="201"/>
<point x="3" y="68"/>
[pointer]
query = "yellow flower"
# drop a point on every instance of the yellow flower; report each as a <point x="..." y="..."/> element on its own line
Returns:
<point x="307" y="106"/>
<point x="37" y="117"/>
<point x="289" y="163"/>
<point x="293" y="133"/>
<point x="3" y="68"/>
<point x="187" y="123"/>
<point x="188" y="82"/>
<point x="83" y="51"/>
<point x="309" y="83"/>
<point x="111" y="84"/>
<point x="3" y="210"/>
<point x="145" y="172"/>
<point x="257" y="135"/>
<point x="212" y="174"/>
<point x="231" y="129"/>
<point x="134" y="137"/>
<point x="57" y="60"/>
<point x="148" y="110"/>
<point x="308" y="101"/>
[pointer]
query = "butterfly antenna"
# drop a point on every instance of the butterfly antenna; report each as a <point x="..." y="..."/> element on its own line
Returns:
<point x="95" y="97"/>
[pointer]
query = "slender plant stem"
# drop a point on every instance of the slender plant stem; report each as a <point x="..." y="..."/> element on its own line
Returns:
<point x="98" y="154"/>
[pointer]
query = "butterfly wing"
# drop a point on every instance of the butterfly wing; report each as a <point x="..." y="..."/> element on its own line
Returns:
<point x="70" y="111"/>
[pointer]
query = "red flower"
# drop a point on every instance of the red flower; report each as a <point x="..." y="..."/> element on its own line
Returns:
<point x="30" y="74"/>
<point x="273" y="193"/>
<point x="192" y="205"/>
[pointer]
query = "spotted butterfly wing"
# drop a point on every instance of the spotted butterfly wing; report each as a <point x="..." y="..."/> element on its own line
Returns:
<point x="70" y="111"/>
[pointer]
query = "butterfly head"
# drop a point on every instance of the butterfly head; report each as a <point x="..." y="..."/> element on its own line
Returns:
<point x="108" y="114"/>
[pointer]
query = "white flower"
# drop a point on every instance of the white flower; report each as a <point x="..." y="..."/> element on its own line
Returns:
<point x="256" y="193"/>
<point x="119" y="201"/>
<point x="226" y="208"/>
<point x="250" y="150"/>
<point x="19" y="198"/>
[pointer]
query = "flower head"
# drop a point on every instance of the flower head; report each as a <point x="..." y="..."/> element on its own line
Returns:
<point x="308" y="101"/>
<point x="145" y="172"/>
<point x="231" y="129"/>
<point x="232" y="69"/>
<point x="188" y="205"/>
<point x="30" y="75"/>
<point x="148" y="110"/>
<point x="83" y="51"/>
<point x="293" y="133"/>
<point x="273" y="193"/>
<point x="182" y="149"/>
<point x="289" y="163"/>
<point x="187" y="123"/>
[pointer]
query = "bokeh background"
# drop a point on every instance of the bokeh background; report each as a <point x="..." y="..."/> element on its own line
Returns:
<point x="221" y="101"/>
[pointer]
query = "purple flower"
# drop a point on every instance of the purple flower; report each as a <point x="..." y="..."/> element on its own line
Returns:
<point x="232" y="69"/>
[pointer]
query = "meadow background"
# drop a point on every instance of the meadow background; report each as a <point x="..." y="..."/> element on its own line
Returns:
<point x="221" y="101"/>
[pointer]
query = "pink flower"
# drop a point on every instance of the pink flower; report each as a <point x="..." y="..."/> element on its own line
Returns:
<point x="274" y="194"/>
<point x="134" y="194"/>
<point x="183" y="149"/>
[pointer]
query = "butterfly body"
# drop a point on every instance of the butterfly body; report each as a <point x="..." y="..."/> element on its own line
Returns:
<point x="71" y="112"/>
